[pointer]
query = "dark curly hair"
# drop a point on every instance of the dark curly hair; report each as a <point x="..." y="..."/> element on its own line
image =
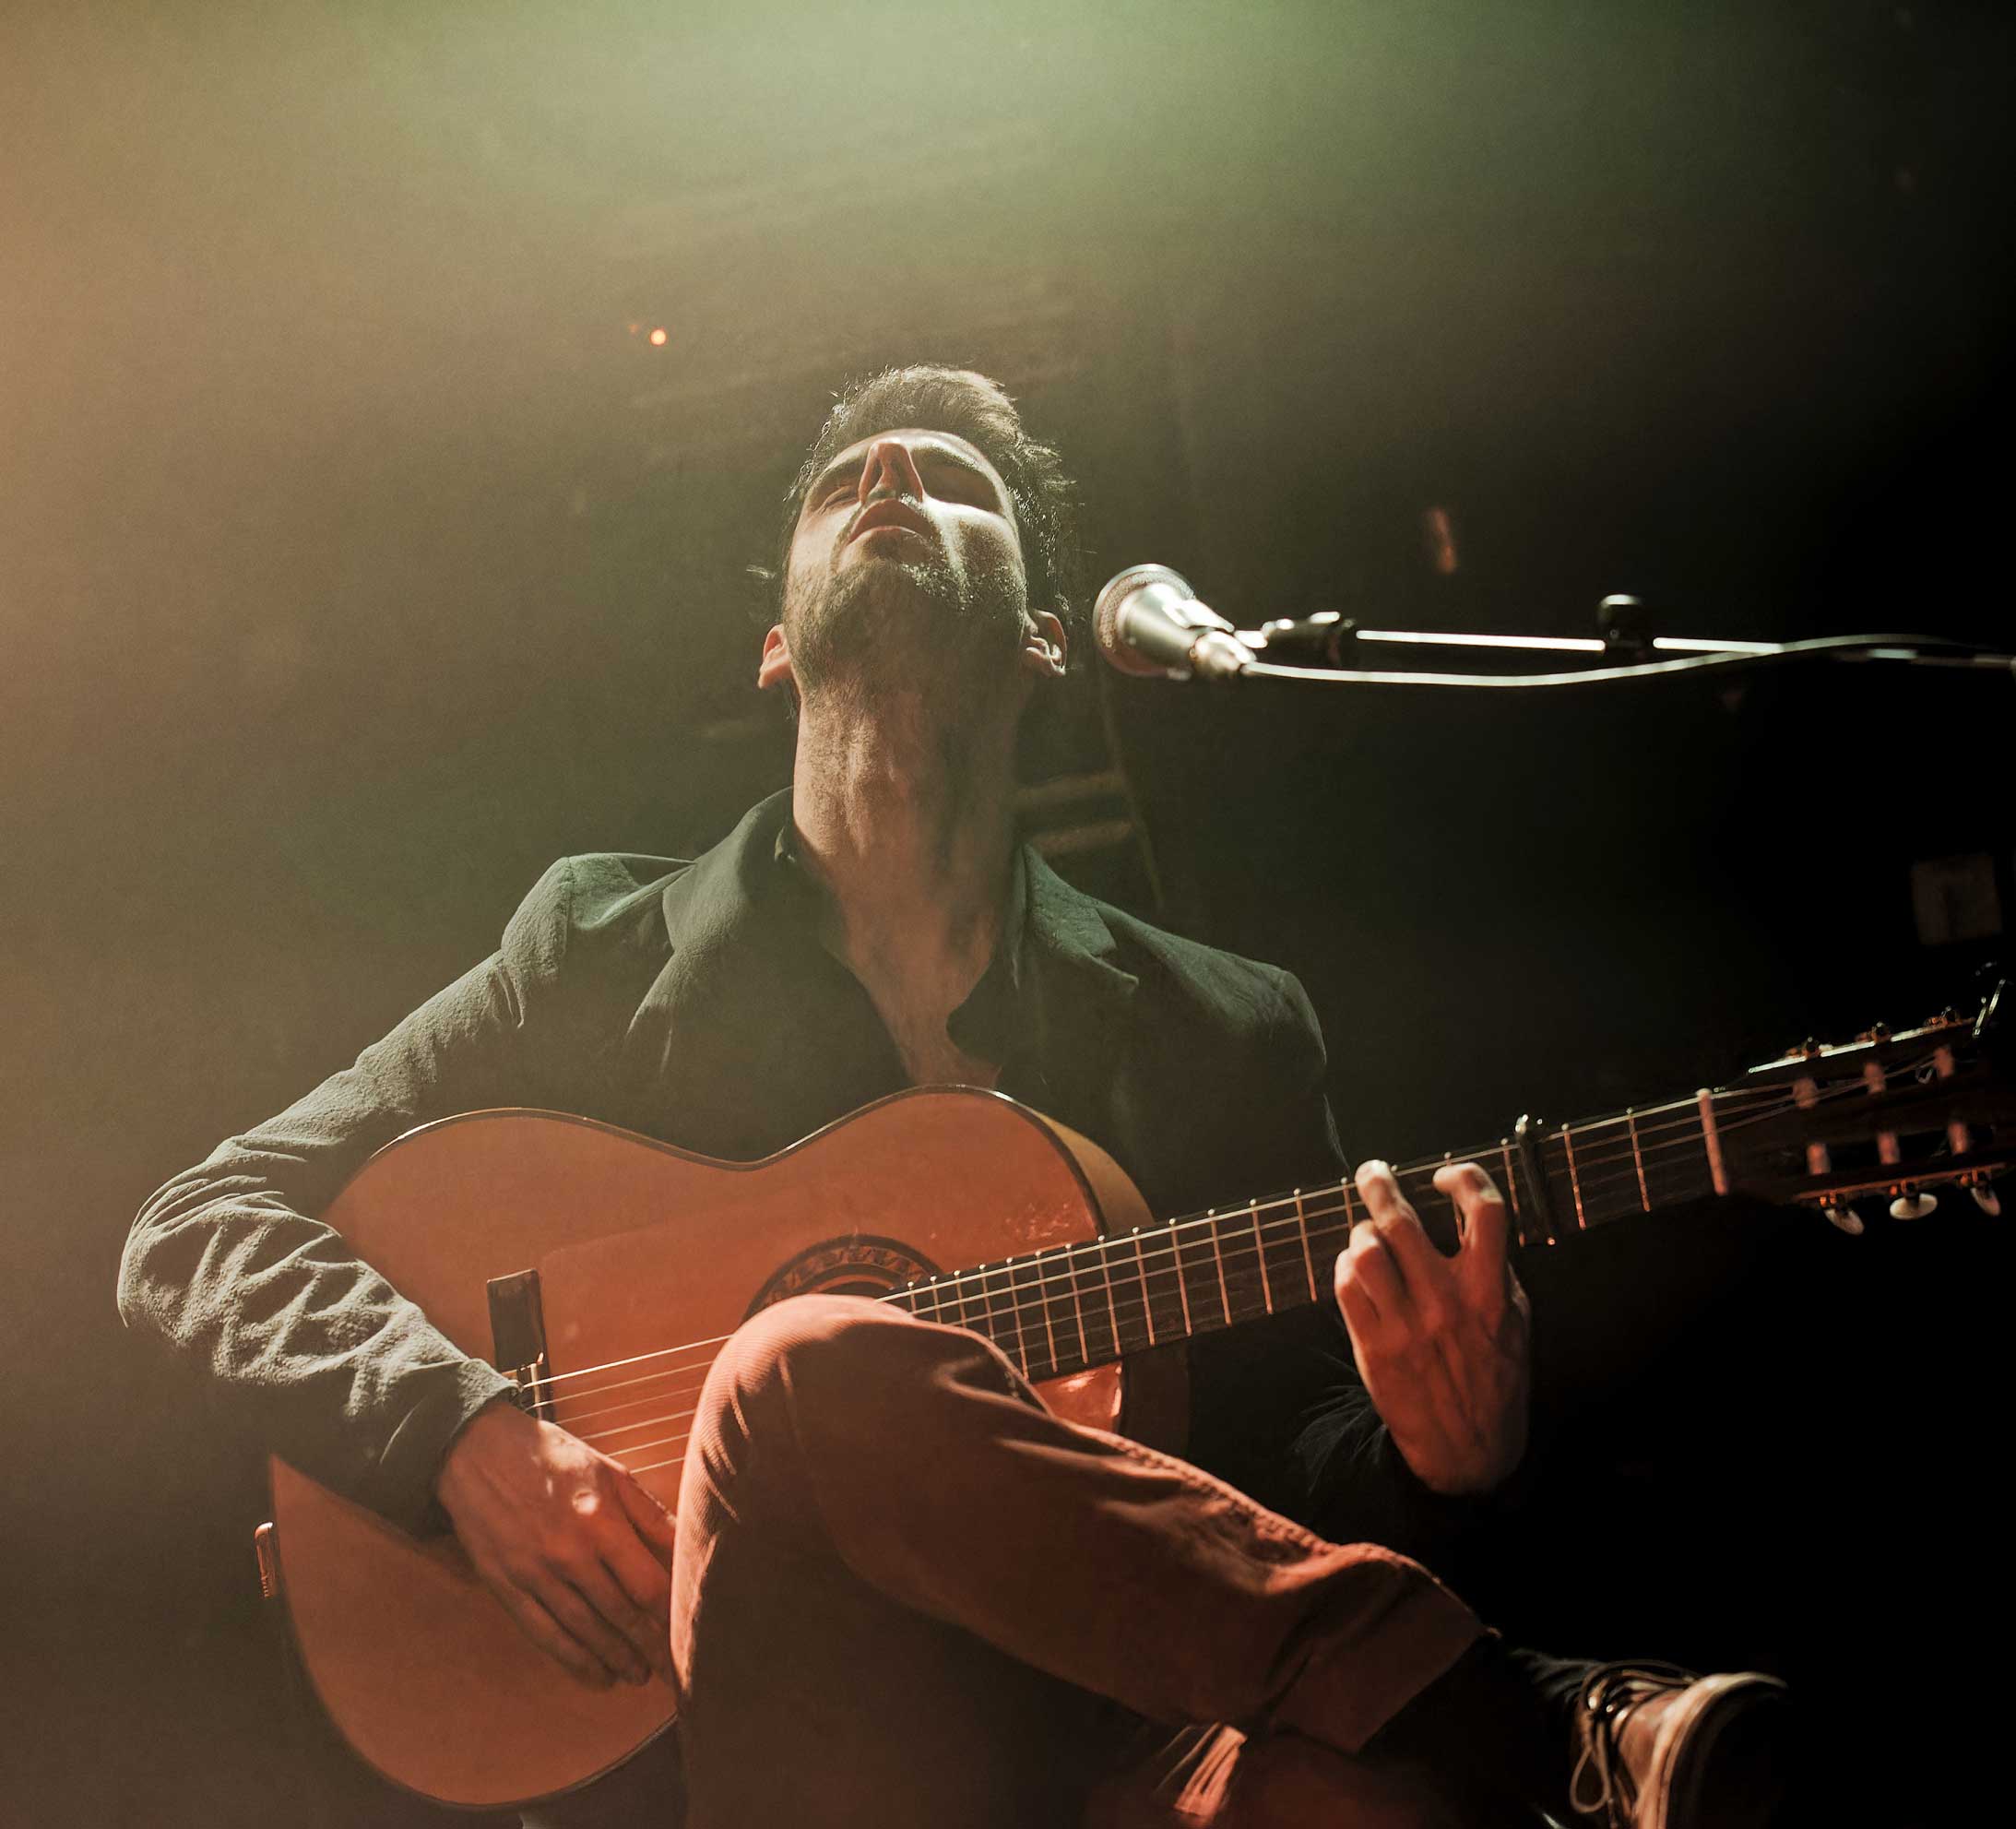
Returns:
<point x="972" y="407"/>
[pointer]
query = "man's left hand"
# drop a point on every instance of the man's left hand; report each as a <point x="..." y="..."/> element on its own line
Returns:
<point x="1442" y="1342"/>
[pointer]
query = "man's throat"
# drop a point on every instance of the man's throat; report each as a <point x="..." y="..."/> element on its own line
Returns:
<point x="937" y="1060"/>
<point x="916" y="1020"/>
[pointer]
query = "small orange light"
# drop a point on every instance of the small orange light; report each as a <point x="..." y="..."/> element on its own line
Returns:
<point x="657" y="338"/>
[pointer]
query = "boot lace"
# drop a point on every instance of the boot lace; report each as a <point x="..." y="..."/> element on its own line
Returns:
<point x="1602" y="1781"/>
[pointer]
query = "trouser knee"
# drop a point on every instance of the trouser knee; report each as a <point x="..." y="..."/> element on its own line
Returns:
<point x="801" y="1360"/>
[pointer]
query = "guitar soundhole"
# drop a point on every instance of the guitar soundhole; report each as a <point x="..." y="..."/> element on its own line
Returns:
<point x="860" y="1266"/>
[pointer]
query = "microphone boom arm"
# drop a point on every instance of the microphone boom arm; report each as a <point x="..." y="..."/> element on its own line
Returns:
<point x="1908" y="650"/>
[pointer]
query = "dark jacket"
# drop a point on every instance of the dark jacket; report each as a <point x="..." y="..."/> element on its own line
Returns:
<point x="693" y="1004"/>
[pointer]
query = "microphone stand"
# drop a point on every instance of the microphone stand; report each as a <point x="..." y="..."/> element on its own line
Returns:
<point x="1319" y="649"/>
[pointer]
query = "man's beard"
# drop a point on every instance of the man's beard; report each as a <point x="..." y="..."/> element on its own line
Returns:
<point x="916" y="621"/>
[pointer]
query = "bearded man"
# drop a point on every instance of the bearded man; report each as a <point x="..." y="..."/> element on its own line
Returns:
<point x="899" y="1590"/>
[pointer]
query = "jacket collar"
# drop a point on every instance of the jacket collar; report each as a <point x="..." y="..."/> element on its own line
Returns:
<point x="1065" y="935"/>
<point x="716" y="896"/>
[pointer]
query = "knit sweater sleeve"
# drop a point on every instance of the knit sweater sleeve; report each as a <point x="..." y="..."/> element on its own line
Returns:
<point x="309" y="1349"/>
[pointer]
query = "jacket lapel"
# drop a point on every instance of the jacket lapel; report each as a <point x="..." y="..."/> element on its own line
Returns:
<point x="1082" y="1006"/>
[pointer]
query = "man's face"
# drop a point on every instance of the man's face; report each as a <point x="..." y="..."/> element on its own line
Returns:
<point x="906" y="555"/>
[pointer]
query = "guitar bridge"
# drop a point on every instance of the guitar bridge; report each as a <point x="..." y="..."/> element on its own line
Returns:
<point x="517" y="1336"/>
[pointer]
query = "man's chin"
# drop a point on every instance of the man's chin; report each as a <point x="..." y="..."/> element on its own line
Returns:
<point x="902" y="610"/>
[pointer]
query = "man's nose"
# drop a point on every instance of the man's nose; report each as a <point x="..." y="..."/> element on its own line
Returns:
<point x="890" y="471"/>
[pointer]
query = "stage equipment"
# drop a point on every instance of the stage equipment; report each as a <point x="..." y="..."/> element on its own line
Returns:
<point x="1149" y="624"/>
<point x="604" y="1271"/>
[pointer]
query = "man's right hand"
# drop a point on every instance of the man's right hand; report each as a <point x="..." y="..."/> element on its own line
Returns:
<point x="579" y="1554"/>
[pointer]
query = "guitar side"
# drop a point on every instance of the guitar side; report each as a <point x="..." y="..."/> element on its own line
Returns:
<point x="639" y="1247"/>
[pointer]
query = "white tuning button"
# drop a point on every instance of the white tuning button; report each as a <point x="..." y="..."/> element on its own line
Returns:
<point x="1912" y="1206"/>
<point x="1846" y="1219"/>
<point x="1988" y="1201"/>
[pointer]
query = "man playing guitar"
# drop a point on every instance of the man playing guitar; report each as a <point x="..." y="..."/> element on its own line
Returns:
<point x="898" y="1590"/>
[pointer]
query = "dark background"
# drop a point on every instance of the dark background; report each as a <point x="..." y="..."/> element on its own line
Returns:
<point x="358" y="553"/>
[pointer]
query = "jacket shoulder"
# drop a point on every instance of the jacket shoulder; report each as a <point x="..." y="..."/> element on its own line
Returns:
<point x="592" y="893"/>
<point x="1244" y="993"/>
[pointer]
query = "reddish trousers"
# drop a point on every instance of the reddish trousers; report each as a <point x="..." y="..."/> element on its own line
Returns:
<point x="906" y="1594"/>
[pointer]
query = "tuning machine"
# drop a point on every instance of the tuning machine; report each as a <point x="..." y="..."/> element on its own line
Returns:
<point x="1846" y="1219"/>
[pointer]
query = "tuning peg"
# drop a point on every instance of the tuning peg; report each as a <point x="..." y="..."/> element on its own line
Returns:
<point x="1846" y="1219"/>
<point x="1912" y="1205"/>
<point x="1988" y="1200"/>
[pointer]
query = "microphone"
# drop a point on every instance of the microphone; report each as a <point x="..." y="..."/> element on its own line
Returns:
<point x="1149" y="624"/>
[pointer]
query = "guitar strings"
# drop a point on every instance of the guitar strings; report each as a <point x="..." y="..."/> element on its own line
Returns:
<point x="1019" y="1304"/>
<point x="1243" y="1292"/>
<point x="1617" y="1165"/>
<point x="984" y="1283"/>
<point x="1254" y="1301"/>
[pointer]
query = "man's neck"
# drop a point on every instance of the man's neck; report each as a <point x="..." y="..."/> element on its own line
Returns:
<point x="906" y="812"/>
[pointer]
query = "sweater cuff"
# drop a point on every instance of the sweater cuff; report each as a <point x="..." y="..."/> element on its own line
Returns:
<point x="403" y="1486"/>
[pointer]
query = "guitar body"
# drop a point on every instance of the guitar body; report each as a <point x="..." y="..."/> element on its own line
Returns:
<point x="639" y="1248"/>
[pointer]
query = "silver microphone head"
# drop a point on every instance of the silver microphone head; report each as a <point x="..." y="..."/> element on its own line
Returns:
<point x="1147" y="623"/>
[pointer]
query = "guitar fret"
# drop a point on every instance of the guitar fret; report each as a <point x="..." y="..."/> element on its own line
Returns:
<point x="1141" y="1268"/>
<point x="1574" y="1180"/>
<point x="1638" y="1160"/>
<point x="1528" y="1139"/>
<point x="1224" y="1294"/>
<point x="1043" y="1307"/>
<point x="1301" y="1223"/>
<point x="1106" y="1271"/>
<point x="1079" y="1257"/>
<point x="1260" y="1247"/>
<point x="1077" y="1308"/>
<point x="1015" y="1314"/>
<point x="1182" y="1293"/>
<point x="1512" y="1190"/>
<point x="1711" y="1139"/>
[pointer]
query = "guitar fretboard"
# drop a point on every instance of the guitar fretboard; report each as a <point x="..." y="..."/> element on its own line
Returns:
<point x="1061" y="1311"/>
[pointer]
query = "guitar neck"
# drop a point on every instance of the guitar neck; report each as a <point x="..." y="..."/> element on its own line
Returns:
<point x="1061" y="1311"/>
<point x="1888" y="1115"/>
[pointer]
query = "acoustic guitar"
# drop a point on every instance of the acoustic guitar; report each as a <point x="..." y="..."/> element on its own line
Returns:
<point x="603" y="1271"/>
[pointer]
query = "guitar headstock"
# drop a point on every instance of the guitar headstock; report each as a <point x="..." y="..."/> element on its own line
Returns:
<point x="1891" y="1117"/>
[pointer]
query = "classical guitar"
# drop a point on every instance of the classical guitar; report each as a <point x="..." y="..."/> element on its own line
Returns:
<point x="603" y="1271"/>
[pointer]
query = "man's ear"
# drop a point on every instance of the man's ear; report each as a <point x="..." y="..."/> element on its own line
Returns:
<point x="775" y="667"/>
<point x="1045" y="648"/>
